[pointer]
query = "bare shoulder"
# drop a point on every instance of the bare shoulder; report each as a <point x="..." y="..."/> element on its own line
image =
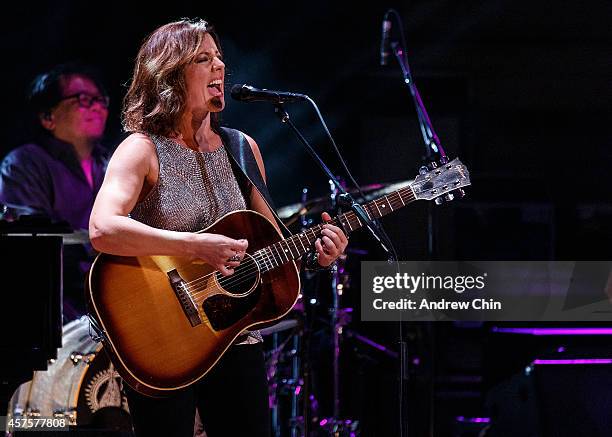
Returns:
<point x="257" y="154"/>
<point x="135" y="154"/>
<point x="136" y="143"/>
<point x="253" y="144"/>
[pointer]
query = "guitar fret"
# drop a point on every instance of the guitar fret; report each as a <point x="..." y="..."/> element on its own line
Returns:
<point x="297" y="252"/>
<point x="348" y="222"/>
<point x="269" y="265"/>
<point x="400" y="196"/>
<point x="395" y="201"/>
<point x="316" y="230"/>
<point x="261" y="264"/>
<point x="288" y="251"/>
<point x="408" y="193"/>
<point x="376" y="205"/>
<point x="305" y="234"/>
<point x="271" y="258"/>
<point x="300" y="240"/>
<point x="390" y="206"/>
<point x="283" y="251"/>
<point x="280" y="261"/>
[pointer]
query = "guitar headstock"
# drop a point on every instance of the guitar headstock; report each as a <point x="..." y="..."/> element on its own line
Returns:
<point x="441" y="183"/>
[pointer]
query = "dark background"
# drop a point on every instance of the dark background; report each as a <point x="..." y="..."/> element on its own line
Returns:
<point x="520" y="91"/>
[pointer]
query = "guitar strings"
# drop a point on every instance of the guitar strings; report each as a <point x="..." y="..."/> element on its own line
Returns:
<point x="267" y="259"/>
<point x="333" y="221"/>
<point x="239" y="277"/>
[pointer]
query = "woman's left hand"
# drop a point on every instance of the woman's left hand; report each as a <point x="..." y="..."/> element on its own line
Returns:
<point x="331" y="244"/>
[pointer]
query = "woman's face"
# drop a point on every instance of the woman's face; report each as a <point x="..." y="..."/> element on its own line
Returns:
<point x="204" y="79"/>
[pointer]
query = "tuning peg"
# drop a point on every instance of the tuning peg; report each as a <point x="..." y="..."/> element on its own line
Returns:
<point x="433" y="165"/>
<point x="423" y="170"/>
<point x="439" y="200"/>
<point x="449" y="197"/>
<point x="460" y="193"/>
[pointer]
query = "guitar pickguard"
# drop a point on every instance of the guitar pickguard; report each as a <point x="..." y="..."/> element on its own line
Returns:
<point x="223" y="310"/>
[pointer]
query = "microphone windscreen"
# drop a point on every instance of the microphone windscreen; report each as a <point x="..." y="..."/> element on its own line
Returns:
<point x="236" y="91"/>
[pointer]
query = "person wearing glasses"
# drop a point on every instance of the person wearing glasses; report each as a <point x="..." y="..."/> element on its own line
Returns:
<point x="59" y="172"/>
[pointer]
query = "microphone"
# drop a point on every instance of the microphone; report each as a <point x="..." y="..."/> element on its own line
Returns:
<point x="248" y="93"/>
<point x="384" y="41"/>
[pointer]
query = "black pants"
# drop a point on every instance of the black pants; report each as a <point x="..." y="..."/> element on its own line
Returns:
<point x="232" y="400"/>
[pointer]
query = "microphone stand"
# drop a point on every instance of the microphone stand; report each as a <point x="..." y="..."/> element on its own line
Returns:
<point x="433" y="152"/>
<point x="430" y="138"/>
<point x="345" y="198"/>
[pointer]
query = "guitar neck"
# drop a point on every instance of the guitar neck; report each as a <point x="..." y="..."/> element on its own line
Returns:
<point x="296" y="246"/>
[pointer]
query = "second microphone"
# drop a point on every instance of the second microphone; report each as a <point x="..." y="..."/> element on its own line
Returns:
<point x="247" y="93"/>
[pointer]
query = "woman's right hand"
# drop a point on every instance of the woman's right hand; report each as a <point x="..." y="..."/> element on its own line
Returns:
<point x="222" y="253"/>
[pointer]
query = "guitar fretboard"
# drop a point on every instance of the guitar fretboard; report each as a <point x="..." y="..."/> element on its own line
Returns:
<point x="294" y="247"/>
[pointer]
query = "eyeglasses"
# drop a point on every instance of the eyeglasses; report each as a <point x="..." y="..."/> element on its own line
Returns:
<point x="86" y="100"/>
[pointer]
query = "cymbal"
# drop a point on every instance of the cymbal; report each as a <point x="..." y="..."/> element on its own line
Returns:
<point x="280" y="326"/>
<point x="80" y="236"/>
<point x="290" y="213"/>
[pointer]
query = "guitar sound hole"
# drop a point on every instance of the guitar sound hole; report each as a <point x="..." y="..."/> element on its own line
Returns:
<point x="245" y="277"/>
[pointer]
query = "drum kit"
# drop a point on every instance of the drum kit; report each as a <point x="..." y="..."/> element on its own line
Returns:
<point x="82" y="386"/>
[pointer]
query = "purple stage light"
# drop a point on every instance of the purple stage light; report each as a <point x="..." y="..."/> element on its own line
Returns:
<point x="574" y="361"/>
<point x="473" y="419"/>
<point x="554" y="331"/>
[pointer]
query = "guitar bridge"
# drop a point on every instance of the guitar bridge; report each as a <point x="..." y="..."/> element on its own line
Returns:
<point x="188" y="305"/>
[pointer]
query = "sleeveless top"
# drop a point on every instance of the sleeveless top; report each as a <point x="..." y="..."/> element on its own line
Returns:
<point x="193" y="190"/>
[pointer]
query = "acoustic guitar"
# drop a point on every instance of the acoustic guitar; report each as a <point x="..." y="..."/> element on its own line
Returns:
<point x="165" y="321"/>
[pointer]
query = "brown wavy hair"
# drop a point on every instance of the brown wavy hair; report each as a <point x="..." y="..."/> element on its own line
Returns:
<point x="156" y="98"/>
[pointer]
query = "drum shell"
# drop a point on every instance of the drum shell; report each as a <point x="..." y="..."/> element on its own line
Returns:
<point x="80" y="382"/>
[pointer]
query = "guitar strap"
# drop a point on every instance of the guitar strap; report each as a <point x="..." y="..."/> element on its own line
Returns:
<point x="246" y="169"/>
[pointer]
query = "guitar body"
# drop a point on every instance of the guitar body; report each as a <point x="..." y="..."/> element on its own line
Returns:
<point x="162" y="336"/>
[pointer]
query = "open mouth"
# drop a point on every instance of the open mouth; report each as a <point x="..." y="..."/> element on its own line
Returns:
<point x="216" y="88"/>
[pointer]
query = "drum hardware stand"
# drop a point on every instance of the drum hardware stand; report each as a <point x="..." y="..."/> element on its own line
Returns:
<point x="340" y="317"/>
<point x="96" y="332"/>
<point x="292" y="385"/>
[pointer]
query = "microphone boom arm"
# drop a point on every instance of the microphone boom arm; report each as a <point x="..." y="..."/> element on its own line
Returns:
<point x="371" y="225"/>
<point x="432" y="142"/>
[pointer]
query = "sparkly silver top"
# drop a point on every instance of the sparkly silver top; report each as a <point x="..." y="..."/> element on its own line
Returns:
<point x="193" y="190"/>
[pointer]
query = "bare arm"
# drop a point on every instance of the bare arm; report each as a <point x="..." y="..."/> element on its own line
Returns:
<point x="112" y="231"/>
